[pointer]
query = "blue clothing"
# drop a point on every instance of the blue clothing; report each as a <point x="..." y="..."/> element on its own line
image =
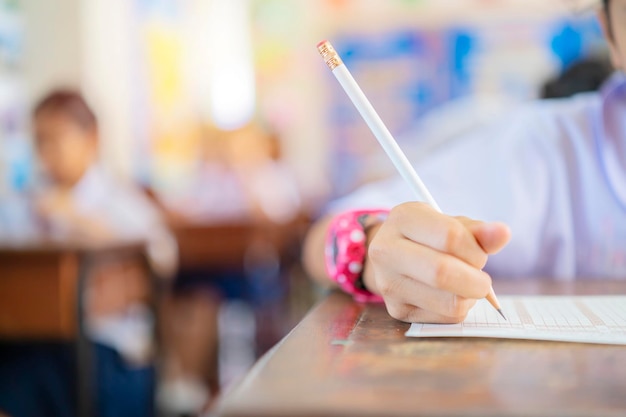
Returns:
<point x="39" y="380"/>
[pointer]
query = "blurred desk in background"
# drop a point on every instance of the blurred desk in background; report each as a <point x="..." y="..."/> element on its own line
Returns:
<point x="42" y="295"/>
<point x="40" y="283"/>
<point x="349" y="359"/>
<point x="263" y="255"/>
<point x="223" y="246"/>
<point x="203" y="246"/>
<point x="252" y="261"/>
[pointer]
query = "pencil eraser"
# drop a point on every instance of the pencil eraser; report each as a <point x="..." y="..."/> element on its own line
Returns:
<point x="322" y="43"/>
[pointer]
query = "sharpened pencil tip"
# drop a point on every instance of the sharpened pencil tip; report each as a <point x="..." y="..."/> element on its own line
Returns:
<point x="502" y="314"/>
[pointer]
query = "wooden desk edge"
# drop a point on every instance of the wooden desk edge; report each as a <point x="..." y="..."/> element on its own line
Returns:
<point x="251" y="395"/>
<point x="230" y="405"/>
<point x="73" y="246"/>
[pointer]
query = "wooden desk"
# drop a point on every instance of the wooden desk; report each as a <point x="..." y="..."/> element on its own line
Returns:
<point x="224" y="246"/>
<point x="41" y="284"/>
<point x="347" y="359"/>
<point x="205" y="250"/>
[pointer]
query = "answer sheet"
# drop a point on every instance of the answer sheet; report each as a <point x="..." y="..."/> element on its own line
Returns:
<point x="584" y="319"/>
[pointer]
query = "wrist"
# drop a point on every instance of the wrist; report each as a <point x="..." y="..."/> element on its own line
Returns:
<point x="368" y="278"/>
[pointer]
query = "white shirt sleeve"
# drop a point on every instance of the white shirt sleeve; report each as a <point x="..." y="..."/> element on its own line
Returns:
<point x="128" y="213"/>
<point x="506" y="173"/>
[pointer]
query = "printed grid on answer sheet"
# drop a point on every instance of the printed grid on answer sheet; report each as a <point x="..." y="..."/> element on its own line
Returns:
<point x="594" y="319"/>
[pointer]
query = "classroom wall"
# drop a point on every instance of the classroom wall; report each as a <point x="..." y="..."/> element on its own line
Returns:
<point x="84" y="44"/>
<point x="142" y="65"/>
<point x="81" y="44"/>
<point x="53" y="45"/>
<point x="406" y="57"/>
<point x="14" y="147"/>
<point x="105" y="28"/>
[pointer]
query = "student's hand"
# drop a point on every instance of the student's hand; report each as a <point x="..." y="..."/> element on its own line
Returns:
<point x="428" y="266"/>
<point x="58" y="210"/>
<point x="55" y="204"/>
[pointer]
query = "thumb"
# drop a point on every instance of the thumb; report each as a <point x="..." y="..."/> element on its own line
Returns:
<point x="492" y="237"/>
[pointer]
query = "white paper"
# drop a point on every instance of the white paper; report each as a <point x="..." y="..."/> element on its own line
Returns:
<point x="585" y="319"/>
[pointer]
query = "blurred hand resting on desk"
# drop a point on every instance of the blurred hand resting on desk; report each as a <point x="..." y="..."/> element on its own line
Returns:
<point x="57" y="210"/>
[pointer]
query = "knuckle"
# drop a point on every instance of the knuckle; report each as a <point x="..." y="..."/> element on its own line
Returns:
<point x="388" y="285"/>
<point x="397" y="311"/>
<point x="405" y="210"/>
<point x="482" y="261"/>
<point x="454" y="237"/>
<point x="457" y="307"/>
<point x="377" y="251"/>
<point x="461" y="317"/>
<point x="454" y="320"/>
<point x="442" y="274"/>
<point x="399" y="212"/>
<point x="385" y="287"/>
<point x="404" y="313"/>
<point x="463" y="219"/>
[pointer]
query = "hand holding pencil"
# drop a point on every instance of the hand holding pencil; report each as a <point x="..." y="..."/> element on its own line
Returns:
<point x="426" y="265"/>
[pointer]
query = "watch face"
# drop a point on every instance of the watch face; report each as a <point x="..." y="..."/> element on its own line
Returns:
<point x="362" y="219"/>
<point x="335" y="251"/>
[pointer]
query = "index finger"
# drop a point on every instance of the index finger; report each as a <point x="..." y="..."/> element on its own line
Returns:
<point x="424" y="225"/>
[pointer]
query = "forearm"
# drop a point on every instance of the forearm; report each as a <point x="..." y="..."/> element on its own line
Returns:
<point x="313" y="252"/>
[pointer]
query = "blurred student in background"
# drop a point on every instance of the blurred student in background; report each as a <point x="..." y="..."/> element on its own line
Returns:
<point x="240" y="178"/>
<point x="77" y="200"/>
<point x="553" y="172"/>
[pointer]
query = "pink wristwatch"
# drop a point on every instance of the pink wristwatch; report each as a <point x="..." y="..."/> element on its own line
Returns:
<point x="345" y="252"/>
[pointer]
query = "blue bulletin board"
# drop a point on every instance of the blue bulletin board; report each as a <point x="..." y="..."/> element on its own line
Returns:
<point x="408" y="72"/>
<point x="15" y="148"/>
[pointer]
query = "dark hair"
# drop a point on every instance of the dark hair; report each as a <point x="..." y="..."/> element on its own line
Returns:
<point x="71" y="104"/>
<point x="607" y="11"/>
<point x="585" y="75"/>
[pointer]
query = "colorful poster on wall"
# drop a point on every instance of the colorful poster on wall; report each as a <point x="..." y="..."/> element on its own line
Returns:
<point x="15" y="148"/>
<point x="166" y="126"/>
<point x="407" y="73"/>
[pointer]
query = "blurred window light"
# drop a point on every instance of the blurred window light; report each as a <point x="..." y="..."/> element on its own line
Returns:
<point x="231" y="72"/>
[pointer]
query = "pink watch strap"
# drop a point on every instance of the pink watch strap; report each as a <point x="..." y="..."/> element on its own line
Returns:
<point x="345" y="252"/>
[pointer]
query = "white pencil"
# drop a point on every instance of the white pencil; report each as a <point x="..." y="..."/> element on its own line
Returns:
<point x="382" y="134"/>
<point x="375" y="123"/>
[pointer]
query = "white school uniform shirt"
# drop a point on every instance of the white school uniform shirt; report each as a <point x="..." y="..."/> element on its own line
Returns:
<point x="123" y="209"/>
<point x="554" y="171"/>
<point x="129" y="215"/>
